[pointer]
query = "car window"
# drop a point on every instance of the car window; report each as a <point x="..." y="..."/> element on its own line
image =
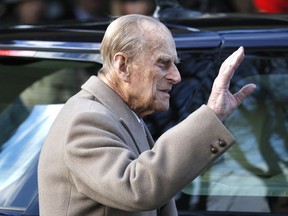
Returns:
<point x="252" y="176"/>
<point x="32" y="93"/>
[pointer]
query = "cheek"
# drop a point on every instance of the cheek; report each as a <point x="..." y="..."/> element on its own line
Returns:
<point x="146" y="83"/>
<point x="148" y="92"/>
<point x="153" y="85"/>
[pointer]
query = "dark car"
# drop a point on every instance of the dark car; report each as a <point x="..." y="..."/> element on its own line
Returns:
<point x="42" y="66"/>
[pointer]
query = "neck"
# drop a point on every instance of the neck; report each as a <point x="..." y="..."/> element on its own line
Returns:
<point x="115" y="84"/>
<point x="122" y="89"/>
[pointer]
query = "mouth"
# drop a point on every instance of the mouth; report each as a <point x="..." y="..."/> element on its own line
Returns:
<point x="165" y="92"/>
<point x="166" y="89"/>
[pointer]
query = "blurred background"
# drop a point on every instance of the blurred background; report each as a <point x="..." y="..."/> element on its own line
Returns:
<point x="13" y="12"/>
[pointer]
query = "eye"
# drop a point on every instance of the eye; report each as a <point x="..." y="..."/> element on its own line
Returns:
<point x="163" y="64"/>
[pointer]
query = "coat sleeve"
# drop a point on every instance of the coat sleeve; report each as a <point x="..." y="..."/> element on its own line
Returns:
<point x="168" y="209"/>
<point x="107" y="171"/>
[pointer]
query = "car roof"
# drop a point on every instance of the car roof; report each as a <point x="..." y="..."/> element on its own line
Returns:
<point x="207" y="32"/>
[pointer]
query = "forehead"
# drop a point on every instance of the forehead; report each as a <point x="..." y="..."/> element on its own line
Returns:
<point x="163" y="48"/>
<point x="152" y="28"/>
<point x="159" y="40"/>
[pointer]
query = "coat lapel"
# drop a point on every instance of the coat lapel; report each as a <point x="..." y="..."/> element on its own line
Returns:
<point x="149" y="138"/>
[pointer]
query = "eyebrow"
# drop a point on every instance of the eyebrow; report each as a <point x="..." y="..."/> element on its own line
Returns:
<point x="177" y="61"/>
<point x="168" y="58"/>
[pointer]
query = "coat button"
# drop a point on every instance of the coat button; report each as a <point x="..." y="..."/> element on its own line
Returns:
<point x="213" y="149"/>
<point x="222" y="143"/>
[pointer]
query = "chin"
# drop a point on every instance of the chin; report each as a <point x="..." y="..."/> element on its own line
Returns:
<point x="163" y="108"/>
<point x="160" y="105"/>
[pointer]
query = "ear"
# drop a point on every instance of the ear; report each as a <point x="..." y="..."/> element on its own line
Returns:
<point x="120" y="65"/>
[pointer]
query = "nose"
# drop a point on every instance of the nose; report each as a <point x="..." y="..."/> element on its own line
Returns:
<point x="174" y="75"/>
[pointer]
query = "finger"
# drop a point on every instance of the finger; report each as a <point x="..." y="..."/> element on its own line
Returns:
<point x="244" y="92"/>
<point x="234" y="59"/>
<point x="230" y="65"/>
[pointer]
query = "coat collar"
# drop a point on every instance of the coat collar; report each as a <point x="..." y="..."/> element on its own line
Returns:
<point x="121" y="110"/>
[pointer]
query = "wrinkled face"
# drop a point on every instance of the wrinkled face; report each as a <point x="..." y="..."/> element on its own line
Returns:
<point x="152" y="75"/>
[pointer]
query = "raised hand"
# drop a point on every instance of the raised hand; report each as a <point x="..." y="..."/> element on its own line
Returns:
<point x="221" y="100"/>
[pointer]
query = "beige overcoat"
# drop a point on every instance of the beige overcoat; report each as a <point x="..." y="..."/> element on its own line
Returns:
<point x="98" y="161"/>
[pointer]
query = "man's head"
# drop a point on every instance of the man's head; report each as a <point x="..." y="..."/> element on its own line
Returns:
<point x="139" y="57"/>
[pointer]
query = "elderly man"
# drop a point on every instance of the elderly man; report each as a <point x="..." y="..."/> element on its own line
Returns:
<point x="99" y="158"/>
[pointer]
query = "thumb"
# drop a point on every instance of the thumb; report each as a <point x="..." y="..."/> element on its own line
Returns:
<point x="244" y="92"/>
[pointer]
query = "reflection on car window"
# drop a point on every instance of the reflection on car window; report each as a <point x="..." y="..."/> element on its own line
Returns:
<point x="25" y="122"/>
<point x="21" y="150"/>
<point x="253" y="175"/>
<point x="55" y="88"/>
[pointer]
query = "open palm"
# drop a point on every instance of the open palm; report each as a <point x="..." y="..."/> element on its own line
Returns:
<point x="221" y="100"/>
